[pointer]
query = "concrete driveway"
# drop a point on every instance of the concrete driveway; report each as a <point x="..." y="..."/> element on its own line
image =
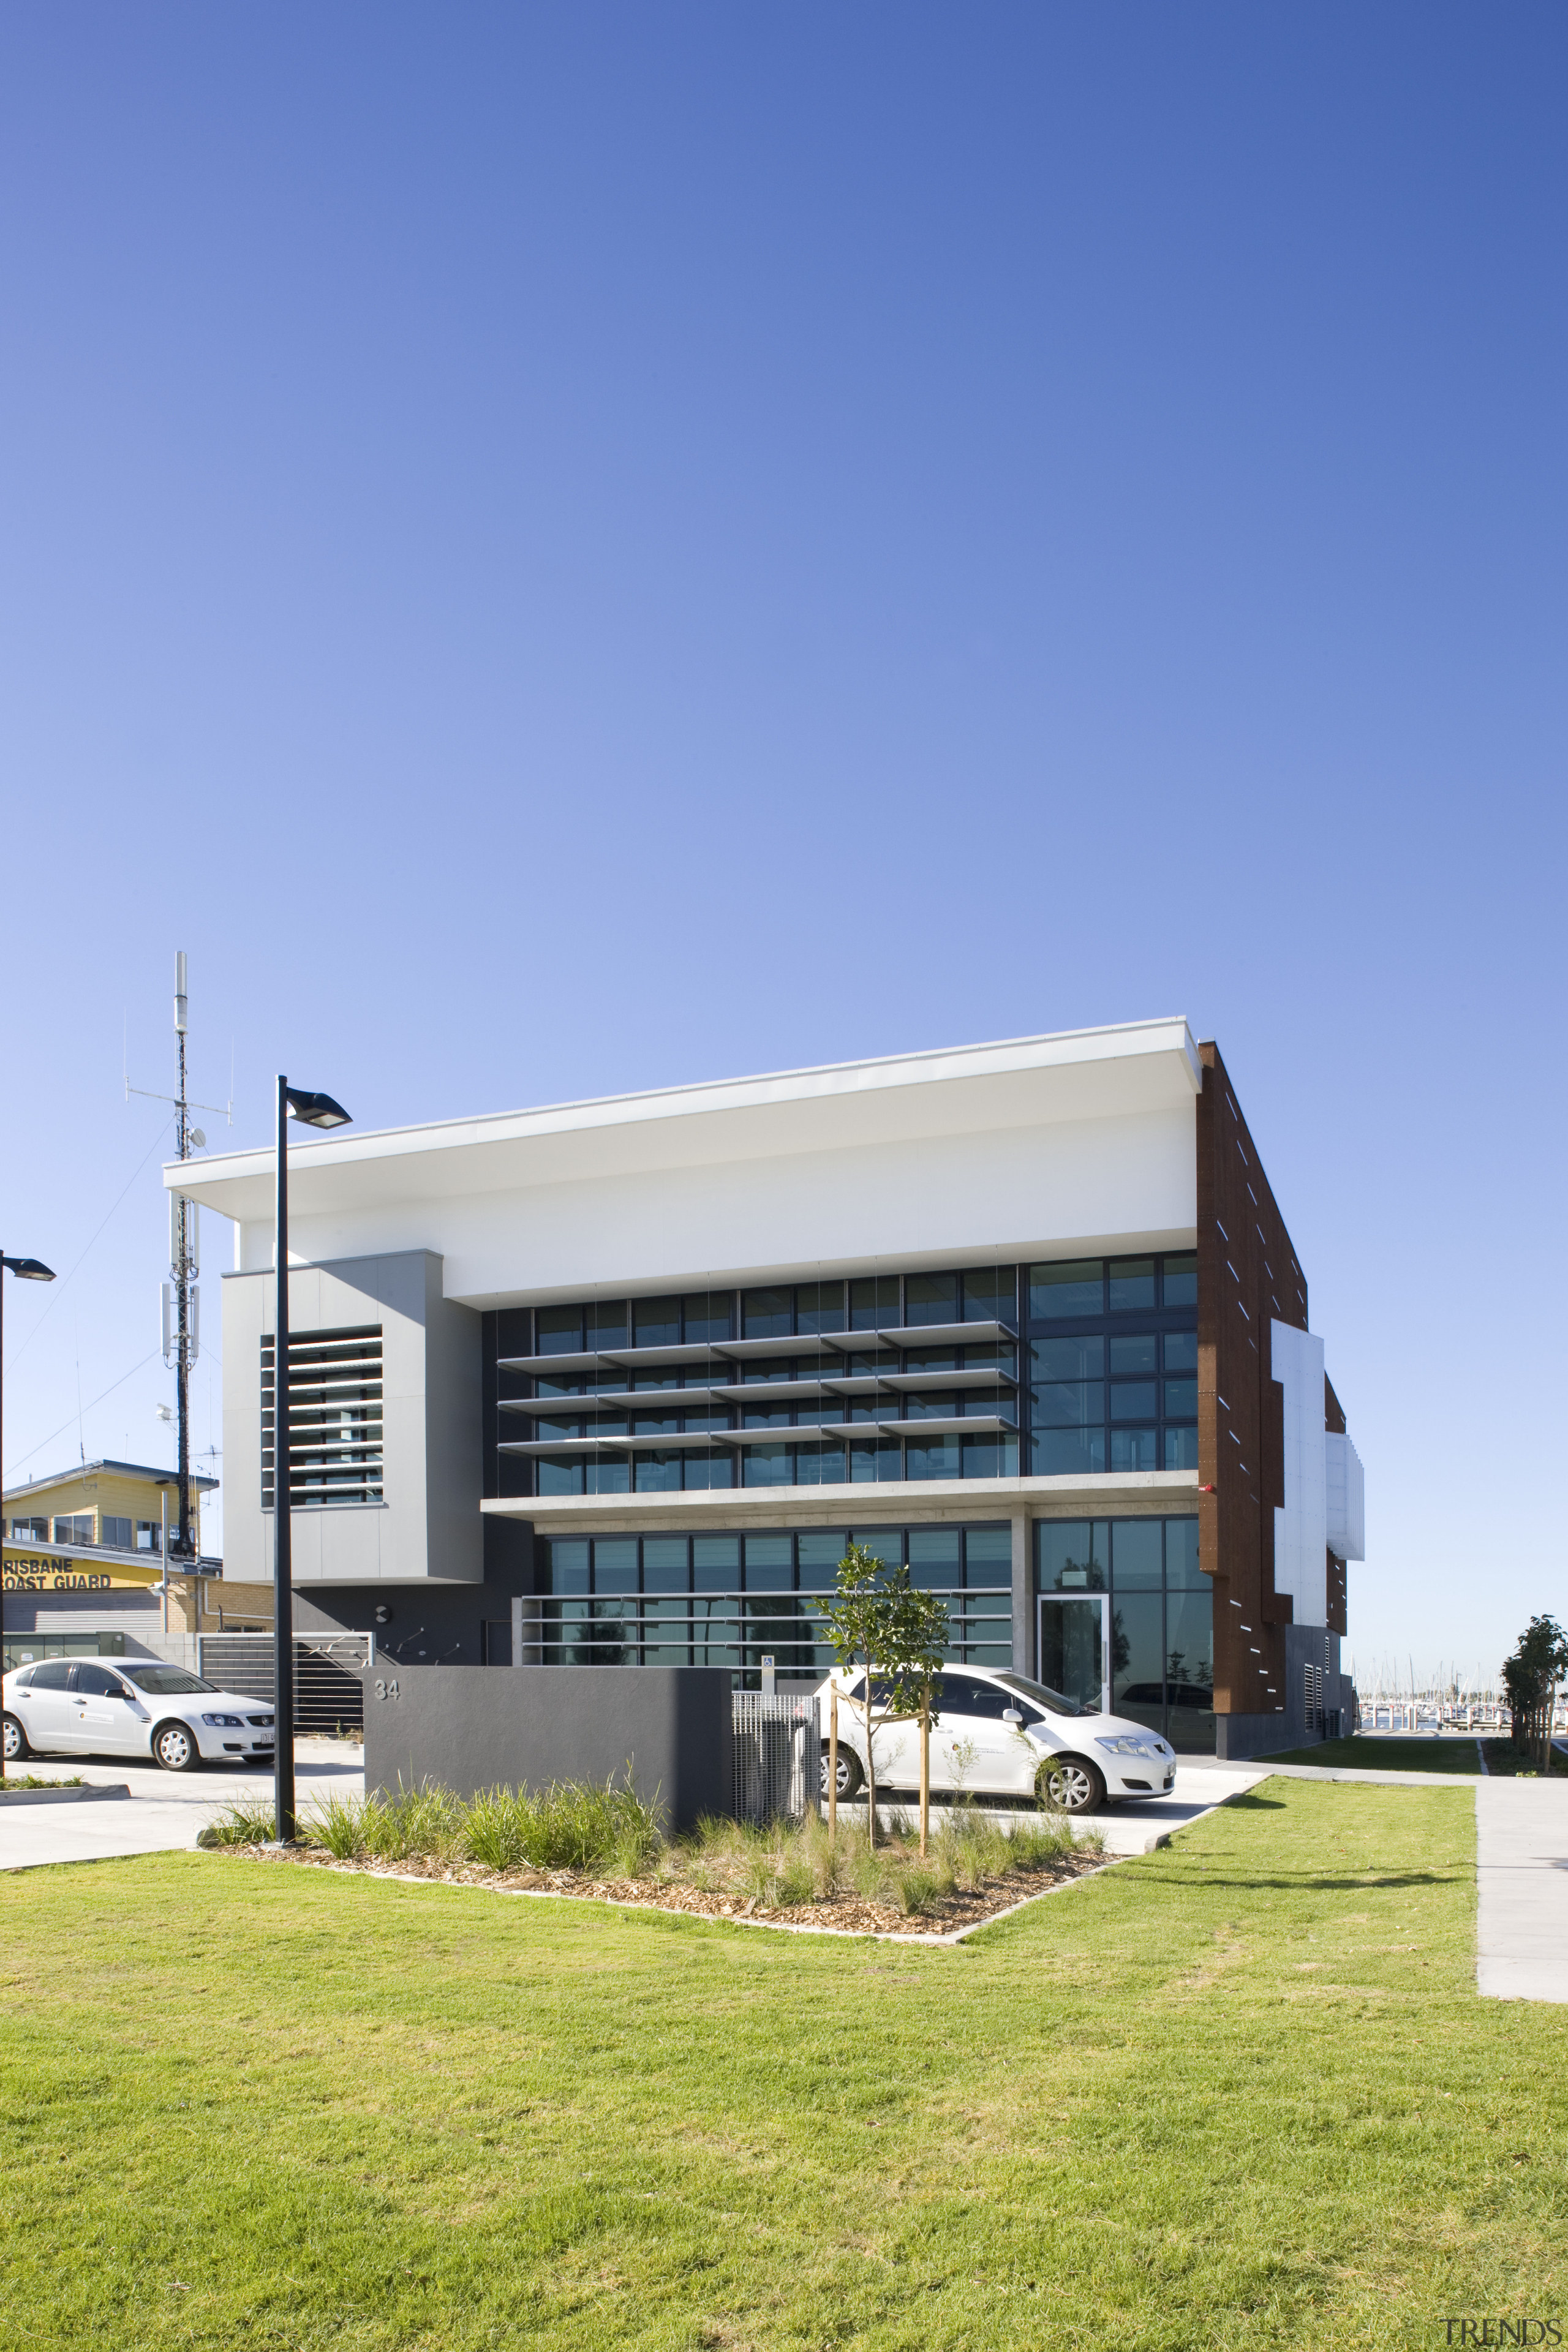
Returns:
<point x="1137" y="1826"/>
<point x="165" y="1811"/>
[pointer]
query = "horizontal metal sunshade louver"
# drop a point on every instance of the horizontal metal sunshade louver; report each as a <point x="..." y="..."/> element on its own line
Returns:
<point x="334" y="1417"/>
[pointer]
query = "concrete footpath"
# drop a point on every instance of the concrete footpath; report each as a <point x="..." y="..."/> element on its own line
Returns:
<point x="1521" y="1880"/>
<point x="165" y="1810"/>
<point x="1521" y="1874"/>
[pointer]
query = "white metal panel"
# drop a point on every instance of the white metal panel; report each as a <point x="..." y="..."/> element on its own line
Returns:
<point x="1301" y="1529"/>
<point x="1346" y="1485"/>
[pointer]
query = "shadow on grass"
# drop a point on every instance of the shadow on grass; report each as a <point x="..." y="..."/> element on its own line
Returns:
<point x="1299" y="1881"/>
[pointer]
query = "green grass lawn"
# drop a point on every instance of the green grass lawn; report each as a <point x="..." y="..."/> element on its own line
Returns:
<point x="1385" y="1755"/>
<point x="1238" y="2092"/>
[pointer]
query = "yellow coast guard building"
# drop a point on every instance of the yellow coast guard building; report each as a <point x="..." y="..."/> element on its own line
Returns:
<point x="84" y="1568"/>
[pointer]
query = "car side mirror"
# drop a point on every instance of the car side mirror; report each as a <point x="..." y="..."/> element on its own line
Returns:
<point x="1011" y="1715"/>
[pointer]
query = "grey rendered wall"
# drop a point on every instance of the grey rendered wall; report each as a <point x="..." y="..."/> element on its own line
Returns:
<point x="454" y="1433"/>
<point x="428" y="1524"/>
<point x="1242" y="1736"/>
<point x="468" y="1728"/>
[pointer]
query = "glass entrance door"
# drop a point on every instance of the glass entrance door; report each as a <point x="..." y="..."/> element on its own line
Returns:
<point x="1073" y="1647"/>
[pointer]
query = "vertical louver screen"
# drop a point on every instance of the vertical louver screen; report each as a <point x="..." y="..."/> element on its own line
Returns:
<point x="335" y="1418"/>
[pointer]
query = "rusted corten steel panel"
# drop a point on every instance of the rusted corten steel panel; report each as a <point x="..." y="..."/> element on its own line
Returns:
<point x="1248" y="1274"/>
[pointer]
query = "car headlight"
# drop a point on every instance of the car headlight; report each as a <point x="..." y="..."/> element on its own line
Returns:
<point x="224" y="1722"/>
<point x="1123" y="1744"/>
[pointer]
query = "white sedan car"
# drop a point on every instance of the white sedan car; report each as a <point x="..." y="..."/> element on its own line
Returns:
<point x="998" y="1734"/>
<point x="85" y="1707"/>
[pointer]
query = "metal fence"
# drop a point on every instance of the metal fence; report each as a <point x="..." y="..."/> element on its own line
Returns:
<point x="777" y="1771"/>
<point x="328" y="1691"/>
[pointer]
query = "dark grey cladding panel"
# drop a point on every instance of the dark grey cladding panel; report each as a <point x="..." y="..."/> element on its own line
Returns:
<point x="471" y="1728"/>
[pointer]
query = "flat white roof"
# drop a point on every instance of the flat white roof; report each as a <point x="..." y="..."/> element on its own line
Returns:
<point x="1079" y="1074"/>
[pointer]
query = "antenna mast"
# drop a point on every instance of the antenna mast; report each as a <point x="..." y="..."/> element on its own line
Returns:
<point x="184" y="1266"/>
<point x="182" y="1322"/>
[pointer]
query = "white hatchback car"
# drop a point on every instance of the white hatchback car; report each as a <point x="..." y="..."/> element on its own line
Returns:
<point x="85" y="1707"/>
<point x="998" y="1734"/>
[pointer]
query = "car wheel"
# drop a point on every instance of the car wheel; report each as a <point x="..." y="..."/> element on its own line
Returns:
<point x="175" y="1748"/>
<point x="1068" y="1784"/>
<point x="16" y="1747"/>
<point x="850" y="1776"/>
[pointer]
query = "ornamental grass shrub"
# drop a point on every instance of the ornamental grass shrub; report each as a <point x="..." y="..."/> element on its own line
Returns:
<point x="610" y="1832"/>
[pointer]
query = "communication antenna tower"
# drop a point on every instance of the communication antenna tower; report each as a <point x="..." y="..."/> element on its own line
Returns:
<point x="180" y="1297"/>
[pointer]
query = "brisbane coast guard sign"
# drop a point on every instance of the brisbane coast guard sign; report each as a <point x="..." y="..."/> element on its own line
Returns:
<point x="31" y="1571"/>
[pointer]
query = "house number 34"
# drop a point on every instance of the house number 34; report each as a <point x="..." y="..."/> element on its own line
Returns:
<point x="386" y="1690"/>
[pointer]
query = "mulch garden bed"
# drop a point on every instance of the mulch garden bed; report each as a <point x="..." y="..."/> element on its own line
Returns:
<point x="848" y="1912"/>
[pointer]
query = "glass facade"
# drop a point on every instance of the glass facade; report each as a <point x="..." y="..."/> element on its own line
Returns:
<point x="1073" y="1367"/>
<point x="1062" y="1369"/>
<point x="1113" y="1365"/>
<point x="1162" y="1616"/>
<point x="859" y="1382"/>
<point x="724" y="1600"/>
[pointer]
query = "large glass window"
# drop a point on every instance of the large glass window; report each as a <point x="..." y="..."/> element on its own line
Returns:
<point x="819" y="1307"/>
<point x="931" y="1298"/>
<point x="1075" y="1288"/>
<point x="874" y="1303"/>
<point x="709" y="1314"/>
<point x="1118" y="1390"/>
<point x="1131" y="1285"/>
<point x="1162" y="1616"/>
<point x="1107" y="1381"/>
<point x="990" y="1296"/>
<point x="656" y="1323"/>
<point x="560" y="1330"/>
<point x="767" y="1313"/>
<point x="728" y="1599"/>
<point x="606" y="1324"/>
<point x="1179" y="1285"/>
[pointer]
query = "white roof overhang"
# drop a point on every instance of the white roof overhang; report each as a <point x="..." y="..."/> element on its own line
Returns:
<point x="1080" y="1075"/>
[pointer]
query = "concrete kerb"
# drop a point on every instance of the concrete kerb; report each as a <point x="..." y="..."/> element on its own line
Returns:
<point x="92" y="1794"/>
<point x="735" y="1919"/>
<point x="1157" y="1841"/>
<point x="1377" y="1780"/>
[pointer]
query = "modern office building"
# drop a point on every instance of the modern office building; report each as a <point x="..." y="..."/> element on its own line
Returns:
<point x="619" y="1380"/>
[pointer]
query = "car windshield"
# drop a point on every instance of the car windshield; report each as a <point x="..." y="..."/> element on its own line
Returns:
<point x="1044" y="1697"/>
<point x="166" y="1682"/>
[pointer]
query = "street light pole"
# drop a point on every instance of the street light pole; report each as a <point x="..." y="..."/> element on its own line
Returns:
<point x="282" y="1529"/>
<point x="27" y="1269"/>
<point x="315" y="1110"/>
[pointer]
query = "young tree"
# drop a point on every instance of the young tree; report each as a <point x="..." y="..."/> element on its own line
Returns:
<point x="1530" y="1678"/>
<point x="917" y="1639"/>
<point x="860" y="1622"/>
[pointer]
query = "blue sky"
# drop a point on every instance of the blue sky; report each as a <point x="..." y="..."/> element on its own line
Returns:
<point x="561" y="550"/>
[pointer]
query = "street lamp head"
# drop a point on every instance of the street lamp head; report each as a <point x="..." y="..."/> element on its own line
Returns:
<point x="29" y="1269"/>
<point x="316" y="1110"/>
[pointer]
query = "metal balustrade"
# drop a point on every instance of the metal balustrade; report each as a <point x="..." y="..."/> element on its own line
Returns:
<point x="777" y="1747"/>
<point x="328" y="1694"/>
